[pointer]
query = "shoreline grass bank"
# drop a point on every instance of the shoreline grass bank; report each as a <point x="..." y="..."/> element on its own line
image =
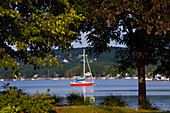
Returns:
<point x="97" y="109"/>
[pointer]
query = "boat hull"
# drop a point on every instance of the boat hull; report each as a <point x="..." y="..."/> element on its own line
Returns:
<point x="82" y="84"/>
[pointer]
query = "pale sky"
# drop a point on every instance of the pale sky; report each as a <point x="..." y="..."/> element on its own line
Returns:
<point x="84" y="43"/>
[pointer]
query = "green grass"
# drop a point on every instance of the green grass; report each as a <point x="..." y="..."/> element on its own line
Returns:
<point x="95" y="109"/>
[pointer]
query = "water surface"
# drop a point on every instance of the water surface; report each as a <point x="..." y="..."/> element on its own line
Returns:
<point x="158" y="92"/>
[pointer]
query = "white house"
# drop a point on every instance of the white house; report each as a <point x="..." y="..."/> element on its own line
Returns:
<point x="65" y="60"/>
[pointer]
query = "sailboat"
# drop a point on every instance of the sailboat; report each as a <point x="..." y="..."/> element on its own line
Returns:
<point x="82" y="81"/>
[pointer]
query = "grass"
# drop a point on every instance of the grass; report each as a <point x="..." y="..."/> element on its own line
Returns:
<point x="95" y="109"/>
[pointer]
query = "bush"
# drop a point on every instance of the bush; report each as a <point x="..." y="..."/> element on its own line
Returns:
<point x="57" y="99"/>
<point x="13" y="100"/>
<point x="112" y="101"/>
<point x="147" y="105"/>
<point x="77" y="99"/>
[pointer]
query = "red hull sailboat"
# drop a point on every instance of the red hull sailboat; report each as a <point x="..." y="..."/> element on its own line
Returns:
<point x="82" y="81"/>
<point x="82" y="84"/>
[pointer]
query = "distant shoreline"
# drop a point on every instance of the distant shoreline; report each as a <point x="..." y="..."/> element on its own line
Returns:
<point x="39" y="78"/>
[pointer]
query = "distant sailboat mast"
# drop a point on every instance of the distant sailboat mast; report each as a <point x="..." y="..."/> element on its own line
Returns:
<point x="88" y="65"/>
<point x="82" y="82"/>
<point x="84" y="62"/>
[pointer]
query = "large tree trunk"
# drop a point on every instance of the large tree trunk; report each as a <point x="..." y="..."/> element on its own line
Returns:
<point x="139" y="42"/>
<point x="141" y="79"/>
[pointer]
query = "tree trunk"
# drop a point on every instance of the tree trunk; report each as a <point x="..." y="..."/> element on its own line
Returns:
<point x="141" y="79"/>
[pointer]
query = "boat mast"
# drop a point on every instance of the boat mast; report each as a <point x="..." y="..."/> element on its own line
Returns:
<point x="89" y="68"/>
<point x="84" y="62"/>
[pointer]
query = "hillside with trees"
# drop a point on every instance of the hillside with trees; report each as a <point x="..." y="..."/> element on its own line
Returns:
<point x="71" y="65"/>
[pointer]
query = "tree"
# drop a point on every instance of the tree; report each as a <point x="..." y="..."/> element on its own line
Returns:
<point x="98" y="69"/>
<point x="164" y="65"/>
<point x="30" y="30"/>
<point x="142" y="25"/>
<point x="113" y="70"/>
<point x="74" y="71"/>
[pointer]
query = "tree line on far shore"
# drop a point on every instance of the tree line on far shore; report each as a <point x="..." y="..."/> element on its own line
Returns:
<point x="101" y="66"/>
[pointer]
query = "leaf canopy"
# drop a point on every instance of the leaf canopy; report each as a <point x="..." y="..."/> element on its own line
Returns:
<point x="30" y="30"/>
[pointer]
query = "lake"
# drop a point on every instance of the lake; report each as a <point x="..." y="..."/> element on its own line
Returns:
<point x="158" y="92"/>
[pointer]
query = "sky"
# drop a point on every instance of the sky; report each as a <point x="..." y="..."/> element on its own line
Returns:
<point x="84" y="43"/>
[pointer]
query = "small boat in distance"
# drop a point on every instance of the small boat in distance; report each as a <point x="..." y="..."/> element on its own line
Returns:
<point x="82" y="81"/>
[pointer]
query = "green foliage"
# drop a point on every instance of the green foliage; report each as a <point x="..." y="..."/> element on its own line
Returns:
<point x="98" y="69"/>
<point x="77" y="99"/>
<point x="13" y="100"/>
<point x="147" y="105"/>
<point x="113" y="101"/>
<point x="30" y="30"/>
<point x="57" y="99"/>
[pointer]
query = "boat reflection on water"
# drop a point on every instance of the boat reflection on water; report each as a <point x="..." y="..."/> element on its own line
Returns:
<point x="86" y="91"/>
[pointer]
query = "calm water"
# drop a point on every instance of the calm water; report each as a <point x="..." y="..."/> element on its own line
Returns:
<point x="158" y="92"/>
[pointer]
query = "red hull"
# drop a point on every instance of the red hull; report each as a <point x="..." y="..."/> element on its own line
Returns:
<point x="82" y="84"/>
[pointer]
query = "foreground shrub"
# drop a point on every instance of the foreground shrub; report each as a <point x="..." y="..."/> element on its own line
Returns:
<point x="147" y="105"/>
<point x="77" y="99"/>
<point x="112" y="101"/>
<point x="57" y="99"/>
<point x="13" y="100"/>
